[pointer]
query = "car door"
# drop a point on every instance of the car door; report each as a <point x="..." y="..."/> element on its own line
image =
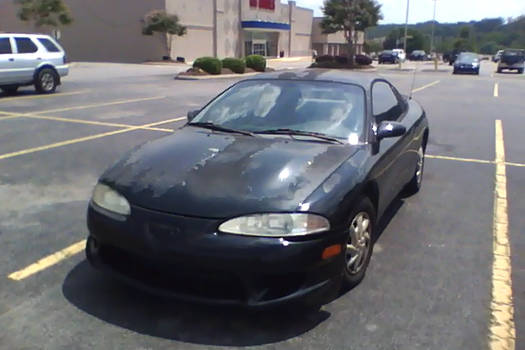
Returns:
<point x="27" y="58"/>
<point x="7" y="61"/>
<point x="391" y="170"/>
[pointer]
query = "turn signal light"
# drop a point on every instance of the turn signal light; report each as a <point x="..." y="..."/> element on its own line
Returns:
<point x="331" y="251"/>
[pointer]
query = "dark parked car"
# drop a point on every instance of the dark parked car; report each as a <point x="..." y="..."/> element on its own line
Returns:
<point x="512" y="59"/>
<point x="387" y="56"/>
<point x="363" y="59"/>
<point x="418" y="55"/>
<point x="467" y="62"/>
<point x="269" y="194"/>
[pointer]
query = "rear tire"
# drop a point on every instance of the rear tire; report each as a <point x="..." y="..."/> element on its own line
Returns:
<point x="360" y="243"/>
<point x="499" y="70"/>
<point x="10" y="90"/>
<point x="46" y="81"/>
<point x="520" y="71"/>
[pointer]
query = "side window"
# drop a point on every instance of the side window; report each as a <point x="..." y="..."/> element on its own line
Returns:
<point x="48" y="44"/>
<point x="25" y="45"/>
<point x="5" y="46"/>
<point x="385" y="104"/>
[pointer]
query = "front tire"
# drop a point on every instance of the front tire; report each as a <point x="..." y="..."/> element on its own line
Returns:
<point x="360" y="243"/>
<point x="46" y="81"/>
<point x="415" y="183"/>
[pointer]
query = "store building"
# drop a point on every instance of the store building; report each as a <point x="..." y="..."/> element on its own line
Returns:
<point x="333" y="44"/>
<point x="111" y="30"/>
<point x="236" y="28"/>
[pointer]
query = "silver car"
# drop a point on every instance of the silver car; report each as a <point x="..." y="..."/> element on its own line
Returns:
<point x="30" y="59"/>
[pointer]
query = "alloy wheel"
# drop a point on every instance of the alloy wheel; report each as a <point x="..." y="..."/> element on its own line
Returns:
<point x="48" y="81"/>
<point x="420" y="165"/>
<point x="359" y="243"/>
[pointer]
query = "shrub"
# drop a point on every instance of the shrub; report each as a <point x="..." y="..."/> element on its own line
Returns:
<point x="256" y="62"/>
<point x="324" y="58"/>
<point x="341" y="59"/>
<point x="210" y="65"/>
<point x="235" y="64"/>
<point x="363" y="59"/>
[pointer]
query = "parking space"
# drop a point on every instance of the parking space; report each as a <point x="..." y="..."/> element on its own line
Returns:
<point x="436" y="281"/>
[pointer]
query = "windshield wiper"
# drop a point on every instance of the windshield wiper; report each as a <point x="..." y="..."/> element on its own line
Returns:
<point x="211" y="126"/>
<point x="293" y="132"/>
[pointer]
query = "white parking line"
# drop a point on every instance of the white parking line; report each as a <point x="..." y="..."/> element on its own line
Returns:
<point x="496" y="90"/>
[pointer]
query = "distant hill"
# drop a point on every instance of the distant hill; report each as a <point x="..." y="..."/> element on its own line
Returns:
<point x="485" y="36"/>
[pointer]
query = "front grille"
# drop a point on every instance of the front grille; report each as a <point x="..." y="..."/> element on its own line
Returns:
<point x="172" y="278"/>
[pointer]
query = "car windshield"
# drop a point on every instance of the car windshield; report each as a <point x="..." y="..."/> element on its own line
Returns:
<point x="326" y="108"/>
<point x="387" y="52"/>
<point x="513" y="53"/>
<point x="467" y="58"/>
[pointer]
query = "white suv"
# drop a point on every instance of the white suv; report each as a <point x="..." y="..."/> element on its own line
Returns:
<point x="400" y="54"/>
<point x="29" y="59"/>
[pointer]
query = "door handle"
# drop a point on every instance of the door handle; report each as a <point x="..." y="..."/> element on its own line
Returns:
<point x="39" y="58"/>
<point x="11" y="59"/>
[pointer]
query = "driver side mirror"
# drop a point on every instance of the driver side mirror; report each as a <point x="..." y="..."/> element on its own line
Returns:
<point x="192" y="114"/>
<point x="390" y="129"/>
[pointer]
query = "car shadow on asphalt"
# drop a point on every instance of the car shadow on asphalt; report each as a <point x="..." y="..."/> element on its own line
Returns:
<point x="116" y="303"/>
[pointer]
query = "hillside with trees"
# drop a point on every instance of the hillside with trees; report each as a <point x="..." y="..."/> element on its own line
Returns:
<point x="485" y="36"/>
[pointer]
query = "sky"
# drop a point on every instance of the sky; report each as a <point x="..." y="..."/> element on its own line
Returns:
<point x="394" y="11"/>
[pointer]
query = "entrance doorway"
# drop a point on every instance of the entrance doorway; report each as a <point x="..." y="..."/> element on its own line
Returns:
<point x="259" y="47"/>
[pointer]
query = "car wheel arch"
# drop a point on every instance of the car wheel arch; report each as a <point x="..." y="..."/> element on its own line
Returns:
<point x="371" y="191"/>
<point x="425" y="139"/>
<point x="46" y="66"/>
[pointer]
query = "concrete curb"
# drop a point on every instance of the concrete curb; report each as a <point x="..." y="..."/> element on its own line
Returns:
<point x="220" y="76"/>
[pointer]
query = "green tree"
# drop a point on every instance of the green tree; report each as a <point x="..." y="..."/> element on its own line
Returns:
<point x="158" y="21"/>
<point x="350" y="16"/>
<point x="52" y="13"/>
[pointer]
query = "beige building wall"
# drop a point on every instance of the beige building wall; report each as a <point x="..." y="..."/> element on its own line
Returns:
<point x="198" y="17"/>
<point x="228" y="26"/>
<point x="102" y="30"/>
<point x="301" y="30"/>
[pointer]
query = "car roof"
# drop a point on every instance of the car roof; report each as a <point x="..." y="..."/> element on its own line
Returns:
<point x="363" y="79"/>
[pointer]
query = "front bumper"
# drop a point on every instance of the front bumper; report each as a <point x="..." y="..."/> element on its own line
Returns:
<point x="188" y="259"/>
<point x="466" y="68"/>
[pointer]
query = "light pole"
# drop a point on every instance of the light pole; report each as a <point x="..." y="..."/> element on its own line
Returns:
<point x="406" y="29"/>
<point x="432" y="49"/>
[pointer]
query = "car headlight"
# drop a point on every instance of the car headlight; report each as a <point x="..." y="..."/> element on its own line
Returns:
<point x="109" y="199"/>
<point x="475" y="64"/>
<point x="276" y="225"/>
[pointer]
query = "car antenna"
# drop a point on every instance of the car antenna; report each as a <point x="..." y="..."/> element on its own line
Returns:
<point x="413" y="82"/>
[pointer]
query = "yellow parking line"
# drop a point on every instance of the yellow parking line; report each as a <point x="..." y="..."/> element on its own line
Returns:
<point x="515" y="164"/>
<point x="119" y="102"/>
<point x="502" y="333"/>
<point x="82" y="121"/>
<point x="86" y="138"/>
<point x="48" y="261"/>
<point x="426" y="86"/>
<point x="32" y="97"/>
<point x="468" y="160"/>
<point x="496" y="90"/>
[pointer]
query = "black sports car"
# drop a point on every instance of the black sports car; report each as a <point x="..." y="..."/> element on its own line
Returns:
<point x="467" y="62"/>
<point x="270" y="193"/>
<point x="388" y="56"/>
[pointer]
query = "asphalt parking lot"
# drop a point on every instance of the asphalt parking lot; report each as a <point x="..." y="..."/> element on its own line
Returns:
<point x="437" y="280"/>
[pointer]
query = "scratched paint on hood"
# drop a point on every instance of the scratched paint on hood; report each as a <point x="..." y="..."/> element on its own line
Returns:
<point x="200" y="173"/>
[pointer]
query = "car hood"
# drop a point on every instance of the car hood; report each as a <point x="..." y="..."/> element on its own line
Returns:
<point x="197" y="172"/>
